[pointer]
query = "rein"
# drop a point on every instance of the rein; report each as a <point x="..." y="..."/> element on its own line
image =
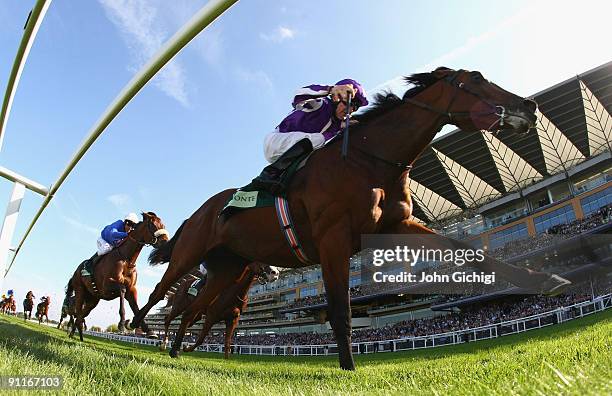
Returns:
<point x="499" y="111"/>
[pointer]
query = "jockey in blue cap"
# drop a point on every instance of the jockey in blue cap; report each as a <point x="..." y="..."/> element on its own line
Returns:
<point x="317" y="116"/>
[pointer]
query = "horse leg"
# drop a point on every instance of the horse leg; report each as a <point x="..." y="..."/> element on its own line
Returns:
<point x="230" y="326"/>
<point x="335" y="251"/>
<point x="78" y="308"/>
<point x="62" y="316"/>
<point x="132" y="299"/>
<point x="174" y="312"/>
<point x="70" y="325"/>
<point x="208" y="324"/>
<point x="221" y="275"/>
<point x="121" y="325"/>
<point x="178" y="339"/>
<point x="522" y="277"/>
<point x="89" y="306"/>
<point x="176" y="269"/>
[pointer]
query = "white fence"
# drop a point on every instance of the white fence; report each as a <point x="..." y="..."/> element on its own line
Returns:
<point x="494" y="330"/>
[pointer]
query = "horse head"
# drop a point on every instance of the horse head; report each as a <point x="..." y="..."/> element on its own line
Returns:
<point x="150" y="231"/>
<point x="474" y="103"/>
<point x="264" y="273"/>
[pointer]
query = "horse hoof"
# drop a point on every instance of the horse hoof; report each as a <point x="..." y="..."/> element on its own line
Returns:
<point x="128" y="325"/>
<point x="174" y="353"/>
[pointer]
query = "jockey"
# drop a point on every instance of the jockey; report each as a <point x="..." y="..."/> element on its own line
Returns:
<point x="113" y="234"/>
<point x="317" y="116"/>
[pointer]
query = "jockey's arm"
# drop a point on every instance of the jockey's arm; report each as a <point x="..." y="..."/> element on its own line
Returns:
<point x="311" y="92"/>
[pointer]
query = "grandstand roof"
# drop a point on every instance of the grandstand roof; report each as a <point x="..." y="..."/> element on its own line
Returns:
<point x="462" y="170"/>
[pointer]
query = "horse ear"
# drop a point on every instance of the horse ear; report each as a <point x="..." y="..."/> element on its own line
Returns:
<point x="441" y="72"/>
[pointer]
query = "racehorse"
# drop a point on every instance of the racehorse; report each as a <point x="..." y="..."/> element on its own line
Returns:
<point x="28" y="306"/>
<point x="115" y="274"/>
<point x="184" y="296"/>
<point x="69" y="310"/>
<point x="189" y="289"/>
<point x="7" y="306"/>
<point x="227" y="306"/>
<point x="42" y="309"/>
<point x="334" y="202"/>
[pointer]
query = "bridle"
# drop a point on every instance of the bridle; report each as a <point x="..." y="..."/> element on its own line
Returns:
<point x="152" y="230"/>
<point x="499" y="111"/>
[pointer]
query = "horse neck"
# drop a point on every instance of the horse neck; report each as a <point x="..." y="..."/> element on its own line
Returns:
<point x="401" y="134"/>
<point x="130" y="249"/>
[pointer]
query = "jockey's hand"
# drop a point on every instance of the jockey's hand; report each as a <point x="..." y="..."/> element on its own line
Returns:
<point x="340" y="93"/>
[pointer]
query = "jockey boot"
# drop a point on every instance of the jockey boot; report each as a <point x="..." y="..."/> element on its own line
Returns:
<point x="271" y="178"/>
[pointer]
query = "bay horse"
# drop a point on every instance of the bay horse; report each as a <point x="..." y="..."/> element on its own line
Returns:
<point x="179" y="302"/>
<point x="227" y="306"/>
<point x="28" y="305"/>
<point x="184" y="298"/>
<point x="6" y="303"/>
<point x="115" y="274"/>
<point x="42" y="309"/>
<point x="334" y="202"/>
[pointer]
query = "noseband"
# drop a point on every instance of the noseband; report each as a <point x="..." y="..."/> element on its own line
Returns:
<point x="156" y="235"/>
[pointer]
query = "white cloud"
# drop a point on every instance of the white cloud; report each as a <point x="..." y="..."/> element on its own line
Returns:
<point x="121" y="201"/>
<point x="280" y="34"/>
<point x="144" y="35"/>
<point x="255" y="77"/>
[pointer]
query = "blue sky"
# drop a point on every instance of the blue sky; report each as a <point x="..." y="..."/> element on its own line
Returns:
<point x="198" y="127"/>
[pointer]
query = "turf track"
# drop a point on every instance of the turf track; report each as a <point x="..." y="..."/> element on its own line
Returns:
<point x="572" y="358"/>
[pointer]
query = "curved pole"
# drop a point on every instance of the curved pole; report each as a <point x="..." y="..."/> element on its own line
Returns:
<point x="30" y="29"/>
<point x="204" y="17"/>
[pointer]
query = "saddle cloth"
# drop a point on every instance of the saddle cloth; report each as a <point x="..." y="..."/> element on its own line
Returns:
<point x="195" y="287"/>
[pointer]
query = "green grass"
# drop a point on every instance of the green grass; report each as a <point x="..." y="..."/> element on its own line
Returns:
<point x="572" y="358"/>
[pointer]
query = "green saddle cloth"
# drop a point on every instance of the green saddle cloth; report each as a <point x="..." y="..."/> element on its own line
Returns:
<point x="248" y="197"/>
<point x="244" y="199"/>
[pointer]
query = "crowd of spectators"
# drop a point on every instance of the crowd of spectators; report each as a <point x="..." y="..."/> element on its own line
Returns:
<point x="560" y="231"/>
<point x="471" y="317"/>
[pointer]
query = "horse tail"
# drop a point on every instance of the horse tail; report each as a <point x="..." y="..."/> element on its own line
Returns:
<point x="163" y="253"/>
<point x="69" y="290"/>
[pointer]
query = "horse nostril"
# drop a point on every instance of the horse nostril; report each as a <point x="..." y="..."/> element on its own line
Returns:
<point x="530" y="104"/>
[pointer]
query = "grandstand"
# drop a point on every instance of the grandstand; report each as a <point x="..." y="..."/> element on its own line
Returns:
<point x="514" y="196"/>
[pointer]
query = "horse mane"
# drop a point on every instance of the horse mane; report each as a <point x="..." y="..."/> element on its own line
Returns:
<point x="386" y="101"/>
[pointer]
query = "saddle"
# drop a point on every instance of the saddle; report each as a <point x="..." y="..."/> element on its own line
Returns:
<point x="250" y="196"/>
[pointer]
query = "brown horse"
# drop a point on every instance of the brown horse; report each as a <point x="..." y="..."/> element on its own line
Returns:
<point x="188" y="291"/>
<point x="28" y="305"/>
<point x="227" y="306"/>
<point x="184" y="296"/>
<point x="6" y="304"/>
<point x="334" y="202"/>
<point x="42" y="309"/>
<point x="115" y="273"/>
